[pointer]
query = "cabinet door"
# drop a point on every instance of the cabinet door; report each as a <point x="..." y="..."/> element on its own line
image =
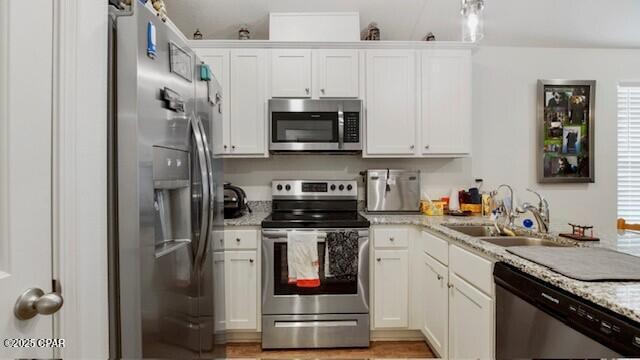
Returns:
<point x="337" y="73"/>
<point x="241" y="297"/>
<point x="218" y="61"/>
<point x="248" y="102"/>
<point x="435" y="303"/>
<point x="219" y="291"/>
<point x="471" y="333"/>
<point x="291" y="73"/>
<point x="446" y="102"/>
<point x="391" y="102"/>
<point x="391" y="288"/>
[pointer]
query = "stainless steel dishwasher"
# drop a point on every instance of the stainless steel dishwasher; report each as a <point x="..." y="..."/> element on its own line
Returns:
<point x="537" y="320"/>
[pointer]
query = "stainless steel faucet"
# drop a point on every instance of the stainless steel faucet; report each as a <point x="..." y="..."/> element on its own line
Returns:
<point x="502" y="210"/>
<point x="509" y="212"/>
<point x="540" y="212"/>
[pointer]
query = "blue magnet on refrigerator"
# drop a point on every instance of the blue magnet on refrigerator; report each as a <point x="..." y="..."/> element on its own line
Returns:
<point x="152" y="50"/>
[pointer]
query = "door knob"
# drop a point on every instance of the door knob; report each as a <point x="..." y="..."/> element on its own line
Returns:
<point x="34" y="301"/>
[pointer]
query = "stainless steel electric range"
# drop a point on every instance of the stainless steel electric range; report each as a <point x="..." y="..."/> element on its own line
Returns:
<point x="335" y="313"/>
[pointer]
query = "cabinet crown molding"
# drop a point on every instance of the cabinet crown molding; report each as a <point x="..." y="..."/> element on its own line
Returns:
<point x="267" y="44"/>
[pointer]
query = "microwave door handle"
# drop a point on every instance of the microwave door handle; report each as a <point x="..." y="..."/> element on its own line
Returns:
<point x="340" y="127"/>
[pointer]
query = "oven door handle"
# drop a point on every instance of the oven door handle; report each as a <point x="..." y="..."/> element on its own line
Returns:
<point x="340" y="127"/>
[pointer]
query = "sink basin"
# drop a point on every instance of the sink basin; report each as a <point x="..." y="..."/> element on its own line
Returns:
<point x="475" y="230"/>
<point x="507" y="241"/>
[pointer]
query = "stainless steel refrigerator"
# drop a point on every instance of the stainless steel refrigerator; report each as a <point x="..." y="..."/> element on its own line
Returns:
<point x="165" y="191"/>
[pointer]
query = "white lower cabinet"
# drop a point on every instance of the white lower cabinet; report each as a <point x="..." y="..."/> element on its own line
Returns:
<point x="237" y="280"/>
<point x="435" y="303"/>
<point x="391" y="288"/>
<point x="218" y="291"/>
<point x="241" y="298"/>
<point x="471" y="330"/>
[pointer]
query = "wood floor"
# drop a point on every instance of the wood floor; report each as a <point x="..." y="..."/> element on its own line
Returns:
<point x="378" y="349"/>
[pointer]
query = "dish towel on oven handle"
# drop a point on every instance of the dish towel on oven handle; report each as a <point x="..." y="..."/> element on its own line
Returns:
<point x="341" y="255"/>
<point x="302" y="258"/>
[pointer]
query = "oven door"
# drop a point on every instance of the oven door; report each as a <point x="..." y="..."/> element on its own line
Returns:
<point x="333" y="296"/>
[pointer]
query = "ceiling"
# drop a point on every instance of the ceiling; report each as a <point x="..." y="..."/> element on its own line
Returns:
<point x="545" y="23"/>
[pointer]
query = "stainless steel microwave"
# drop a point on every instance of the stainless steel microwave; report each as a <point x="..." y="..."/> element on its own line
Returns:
<point x="300" y="125"/>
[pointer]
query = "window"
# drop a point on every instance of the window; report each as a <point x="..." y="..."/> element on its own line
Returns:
<point x="629" y="152"/>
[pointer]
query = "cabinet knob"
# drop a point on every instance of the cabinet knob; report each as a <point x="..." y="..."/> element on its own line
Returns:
<point x="251" y="261"/>
<point x="225" y="147"/>
<point x="426" y="147"/>
<point x="378" y="259"/>
<point x="221" y="241"/>
<point x="238" y="239"/>
<point x="306" y="90"/>
<point x="439" y="277"/>
<point x="322" y="91"/>
<point x="412" y="147"/>
<point x="233" y="147"/>
<point x="449" y="286"/>
<point x="391" y="239"/>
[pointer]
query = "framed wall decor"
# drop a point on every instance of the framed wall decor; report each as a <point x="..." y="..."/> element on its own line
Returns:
<point x="566" y="131"/>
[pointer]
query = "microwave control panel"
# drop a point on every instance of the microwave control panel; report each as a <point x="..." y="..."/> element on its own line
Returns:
<point x="351" y="127"/>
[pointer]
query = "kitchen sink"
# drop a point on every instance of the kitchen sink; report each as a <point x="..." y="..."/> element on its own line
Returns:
<point x="507" y="241"/>
<point x="475" y="230"/>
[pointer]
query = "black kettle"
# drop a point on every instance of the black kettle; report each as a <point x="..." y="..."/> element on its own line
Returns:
<point x="235" y="201"/>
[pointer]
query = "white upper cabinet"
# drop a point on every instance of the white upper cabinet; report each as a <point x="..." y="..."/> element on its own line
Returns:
<point x="291" y="73"/>
<point x="391" y="102"/>
<point x="248" y="102"/>
<point x="445" y="102"/>
<point x="218" y="61"/>
<point x="336" y="73"/>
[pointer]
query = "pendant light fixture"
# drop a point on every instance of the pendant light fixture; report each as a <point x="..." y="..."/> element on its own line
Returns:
<point x="472" y="21"/>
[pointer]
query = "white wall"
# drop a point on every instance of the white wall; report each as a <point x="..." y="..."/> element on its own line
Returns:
<point x="504" y="108"/>
<point x="504" y="116"/>
<point x="255" y="175"/>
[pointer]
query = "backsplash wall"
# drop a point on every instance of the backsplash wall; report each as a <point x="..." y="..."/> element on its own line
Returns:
<point x="438" y="176"/>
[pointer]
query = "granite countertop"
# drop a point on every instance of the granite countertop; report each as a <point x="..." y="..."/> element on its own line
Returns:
<point x="620" y="297"/>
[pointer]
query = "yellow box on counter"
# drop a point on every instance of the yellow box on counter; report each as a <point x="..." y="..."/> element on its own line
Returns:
<point x="474" y="208"/>
<point x="434" y="208"/>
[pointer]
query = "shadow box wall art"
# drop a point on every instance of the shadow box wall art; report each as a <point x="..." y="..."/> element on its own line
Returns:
<point x="565" y="129"/>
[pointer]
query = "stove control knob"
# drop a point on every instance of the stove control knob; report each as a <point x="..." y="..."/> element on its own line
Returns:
<point x="287" y="187"/>
<point x="341" y="187"/>
<point x="333" y="187"/>
<point x="349" y="187"/>
<point x="279" y="187"/>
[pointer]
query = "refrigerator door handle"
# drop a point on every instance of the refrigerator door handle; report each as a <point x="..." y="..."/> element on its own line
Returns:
<point x="204" y="175"/>
<point x="211" y="187"/>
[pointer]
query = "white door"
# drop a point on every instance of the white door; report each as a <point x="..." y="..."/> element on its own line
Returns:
<point x="470" y="321"/>
<point x="291" y="73"/>
<point x="248" y="102"/>
<point x="435" y="303"/>
<point x="25" y="172"/>
<point x="241" y="297"/>
<point x="446" y="102"/>
<point x="391" y="102"/>
<point x="337" y="73"/>
<point x="218" y="291"/>
<point x="391" y="288"/>
<point x="218" y="61"/>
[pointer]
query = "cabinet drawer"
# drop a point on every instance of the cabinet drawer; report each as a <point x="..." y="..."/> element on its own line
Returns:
<point x="217" y="240"/>
<point x="436" y="247"/>
<point x="240" y="239"/>
<point x="391" y="237"/>
<point x="472" y="268"/>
